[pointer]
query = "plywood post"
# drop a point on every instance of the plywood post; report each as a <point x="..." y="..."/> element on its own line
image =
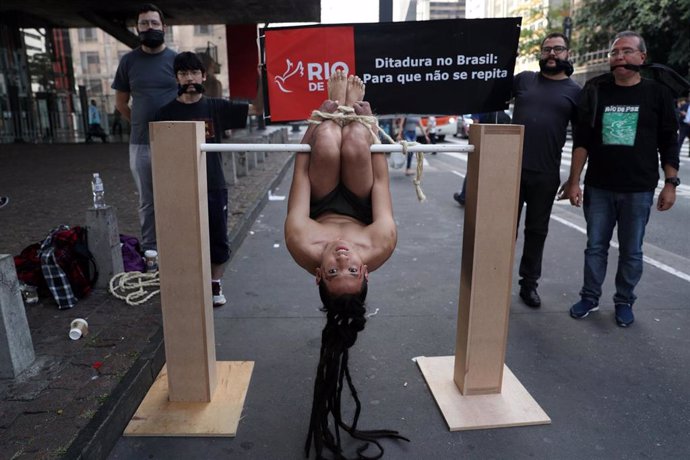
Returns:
<point x="193" y="395"/>
<point x="482" y="392"/>
<point x="180" y="196"/>
<point x="488" y="247"/>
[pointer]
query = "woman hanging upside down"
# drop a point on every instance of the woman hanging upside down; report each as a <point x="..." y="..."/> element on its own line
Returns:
<point x="339" y="227"/>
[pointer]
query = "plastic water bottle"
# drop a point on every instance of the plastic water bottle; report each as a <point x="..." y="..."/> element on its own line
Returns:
<point x="98" y="192"/>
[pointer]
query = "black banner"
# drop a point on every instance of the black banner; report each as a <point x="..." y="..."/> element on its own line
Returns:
<point x="438" y="67"/>
<point x="450" y="67"/>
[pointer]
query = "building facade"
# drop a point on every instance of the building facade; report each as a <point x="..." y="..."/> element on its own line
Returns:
<point x="424" y="10"/>
<point x="47" y="77"/>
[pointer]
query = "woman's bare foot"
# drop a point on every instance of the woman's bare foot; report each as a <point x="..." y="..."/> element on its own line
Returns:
<point x="355" y="90"/>
<point x="337" y="86"/>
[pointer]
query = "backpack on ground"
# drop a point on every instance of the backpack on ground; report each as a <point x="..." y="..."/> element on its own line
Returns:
<point x="132" y="255"/>
<point x="28" y="266"/>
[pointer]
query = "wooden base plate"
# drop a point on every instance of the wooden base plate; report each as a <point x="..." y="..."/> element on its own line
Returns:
<point x="156" y="416"/>
<point x="514" y="406"/>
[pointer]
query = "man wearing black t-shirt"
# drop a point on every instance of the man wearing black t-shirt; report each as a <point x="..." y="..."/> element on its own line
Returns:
<point x="545" y="102"/>
<point x="624" y="120"/>
<point x="218" y="115"/>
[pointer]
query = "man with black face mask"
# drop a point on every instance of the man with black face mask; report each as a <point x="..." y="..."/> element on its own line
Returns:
<point x="544" y="103"/>
<point x="627" y="129"/>
<point x="145" y="75"/>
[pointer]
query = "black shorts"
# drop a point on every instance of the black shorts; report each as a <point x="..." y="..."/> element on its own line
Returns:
<point x="342" y="201"/>
<point x="218" y="226"/>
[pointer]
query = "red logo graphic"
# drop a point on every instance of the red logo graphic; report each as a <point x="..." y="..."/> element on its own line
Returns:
<point x="299" y="63"/>
<point x="291" y="70"/>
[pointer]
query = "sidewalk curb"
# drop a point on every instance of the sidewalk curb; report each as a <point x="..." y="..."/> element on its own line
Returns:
<point x="99" y="436"/>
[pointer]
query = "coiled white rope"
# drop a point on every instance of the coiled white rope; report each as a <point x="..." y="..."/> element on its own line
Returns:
<point x="134" y="287"/>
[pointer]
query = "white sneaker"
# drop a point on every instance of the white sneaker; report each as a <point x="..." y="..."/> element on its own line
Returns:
<point x="218" y="297"/>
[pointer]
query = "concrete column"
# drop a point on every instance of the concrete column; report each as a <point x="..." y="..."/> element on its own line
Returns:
<point x="229" y="168"/>
<point x="241" y="159"/>
<point x="16" y="347"/>
<point x="104" y="243"/>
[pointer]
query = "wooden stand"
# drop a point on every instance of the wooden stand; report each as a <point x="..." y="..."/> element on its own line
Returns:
<point x="473" y="395"/>
<point x="188" y="383"/>
<point x="158" y="416"/>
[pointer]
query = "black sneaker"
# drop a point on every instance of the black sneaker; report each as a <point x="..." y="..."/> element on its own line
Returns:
<point x="218" y="297"/>
<point x="530" y="296"/>
<point x="583" y="308"/>
<point x="624" y="314"/>
<point x="459" y="198"/>
<point x="3" y="201"/>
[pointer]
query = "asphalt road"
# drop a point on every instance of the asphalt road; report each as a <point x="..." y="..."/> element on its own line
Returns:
<point x="610" y="392"/>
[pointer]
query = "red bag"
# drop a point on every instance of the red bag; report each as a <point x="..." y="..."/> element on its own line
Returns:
<point x="28" y="266"/>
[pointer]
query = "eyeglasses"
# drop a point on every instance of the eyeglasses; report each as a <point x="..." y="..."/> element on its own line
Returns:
<point x="188" y="73"/>
<point x="555" y="49"/>
<point x="625" y="52"/>
<point x="149" y="23"/>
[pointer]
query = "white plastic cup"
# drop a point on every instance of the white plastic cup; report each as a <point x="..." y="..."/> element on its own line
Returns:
<point x="151" y="257"/>
<point x="78" y="328"/>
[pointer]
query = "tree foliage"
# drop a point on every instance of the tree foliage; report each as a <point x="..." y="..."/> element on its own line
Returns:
<point x="664" y="24"/>
<point x="41" y="70"/>
<point x="548" y="20"/>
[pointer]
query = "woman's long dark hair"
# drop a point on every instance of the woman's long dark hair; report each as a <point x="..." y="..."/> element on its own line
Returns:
<point x="345" y="318"/>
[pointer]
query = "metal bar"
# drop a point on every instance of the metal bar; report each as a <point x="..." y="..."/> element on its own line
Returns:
<point x="376" y="148"/>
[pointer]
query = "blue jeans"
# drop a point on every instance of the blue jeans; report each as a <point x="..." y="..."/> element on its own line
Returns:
<point x="140" y="165"/>
<point x="603" y="210"/>
<point x="410" y="136"/>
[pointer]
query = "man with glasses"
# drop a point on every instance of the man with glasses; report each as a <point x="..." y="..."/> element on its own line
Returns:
<point x="545" y="102"/>
<point x="145" y="75"/>
<point x="624" y="120"/>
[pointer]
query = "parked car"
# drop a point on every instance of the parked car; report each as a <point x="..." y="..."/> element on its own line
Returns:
<point x="463" y="127"/>
<point x="445" y="125"/>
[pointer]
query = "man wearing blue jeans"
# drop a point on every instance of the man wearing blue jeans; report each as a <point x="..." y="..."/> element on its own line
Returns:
<point x="624" y="120"/>
<point x="145" y="76"/>
<point x="407" y="127"/>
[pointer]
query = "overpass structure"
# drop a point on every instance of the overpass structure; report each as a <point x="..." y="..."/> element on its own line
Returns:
<point x="25" y="120"/>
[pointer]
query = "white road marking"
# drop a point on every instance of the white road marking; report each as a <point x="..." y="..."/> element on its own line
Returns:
<point x="649" y="260"/>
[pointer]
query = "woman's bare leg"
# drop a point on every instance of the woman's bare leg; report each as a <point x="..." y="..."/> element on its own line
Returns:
<point x="326" y="140"/>
<point x="355" y="163"/>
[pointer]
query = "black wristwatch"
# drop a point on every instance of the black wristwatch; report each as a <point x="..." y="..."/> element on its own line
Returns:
<point x="675" y="181"/>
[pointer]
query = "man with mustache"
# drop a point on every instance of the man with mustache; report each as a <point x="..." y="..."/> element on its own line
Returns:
<point x="146" y="76"/>
<point x="624" y="120"/>
<point x="544" y="103"/>
<point x="218" y="115"/>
